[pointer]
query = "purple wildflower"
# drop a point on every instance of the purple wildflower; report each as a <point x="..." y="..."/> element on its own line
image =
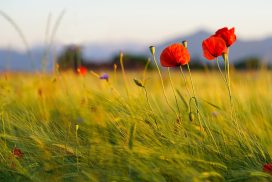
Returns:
<point x="105" y="76"/>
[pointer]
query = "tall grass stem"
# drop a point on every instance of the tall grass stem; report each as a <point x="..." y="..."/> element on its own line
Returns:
<point x="162" y="84"/>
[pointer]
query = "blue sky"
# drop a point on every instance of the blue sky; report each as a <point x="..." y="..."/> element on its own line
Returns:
<point x="135" y="21"/>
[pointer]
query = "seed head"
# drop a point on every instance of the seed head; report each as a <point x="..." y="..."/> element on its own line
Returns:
<point x="225" y="56"/>
<point x="191" y="116"/>
<point x="115" y="66"/>
<point x="185" y="43"/>
<point x="152" y="50"/>
<point x="138" y="83"/>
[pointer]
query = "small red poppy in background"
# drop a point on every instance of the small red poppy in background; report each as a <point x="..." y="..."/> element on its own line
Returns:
<point x="227" y="34"/>
<point x="17" y="152"/>
<point x="268" y="168"/>
<point x="213" y="47"/>
<point x="175" y="55"/>
<point x="82" y="70"/>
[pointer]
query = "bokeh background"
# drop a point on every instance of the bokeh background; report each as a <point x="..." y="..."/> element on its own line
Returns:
<point x="100" y="29"/>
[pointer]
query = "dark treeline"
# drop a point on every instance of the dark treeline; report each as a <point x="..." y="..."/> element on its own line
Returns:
<point x="71" y="58"/>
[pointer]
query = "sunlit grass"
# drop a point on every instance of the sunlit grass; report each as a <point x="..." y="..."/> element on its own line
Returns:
<point x="121" y="138"/>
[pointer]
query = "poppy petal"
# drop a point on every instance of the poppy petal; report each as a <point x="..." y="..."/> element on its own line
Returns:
<point x="267" y="168"/>
<point x="174" y="55"/>
<point x="213" y="47"/>
<point x="227" y="34"/>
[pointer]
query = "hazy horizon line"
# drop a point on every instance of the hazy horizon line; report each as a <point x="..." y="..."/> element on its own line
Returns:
<point x="41" y="44"/>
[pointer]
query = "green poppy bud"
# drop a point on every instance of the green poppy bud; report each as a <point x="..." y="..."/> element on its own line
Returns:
<point x="77" y="127"/>
<point x="152" y="50"/>
<point x="191" y="116"/>
<point x="225" y="56"/>
<point x="185" y="43"/>
<point x="138" y="83"/>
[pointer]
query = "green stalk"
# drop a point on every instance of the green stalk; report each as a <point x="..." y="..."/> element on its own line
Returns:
<point x="114" y="71"/>
<point x="148" y="102"/>
<point x="21" y="35"/>
<point x="162" y="84"/>
<point x="227" y="71"/>
<point x="194" y="96"/>
<point x="201" y="125"/>
<point x="124" y="73"/>
<point x="52" y="36"/>
<point x="186" y="82"/>
<point x="145" y="70"/>
<point x="221" y="72"/>
<point x="4" y="130"/>
<point x="233" y="113"/>
<point x="171" y="83"/>
<point x="46" y="51"/>
<point x="197" y="108"/>
<point x="77" y="127"/>
<point x="191" y="79"/>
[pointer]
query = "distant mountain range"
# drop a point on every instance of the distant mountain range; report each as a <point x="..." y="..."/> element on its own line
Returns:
<point x="241" y="49"/>
<point x="102" y="52"/>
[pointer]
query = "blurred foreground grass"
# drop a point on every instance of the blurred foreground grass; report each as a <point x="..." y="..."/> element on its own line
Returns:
<point x="75" y="128"/>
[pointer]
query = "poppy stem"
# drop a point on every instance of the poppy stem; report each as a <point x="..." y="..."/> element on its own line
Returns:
<point x="227" y="72"/>
<point x="221" y="72"/>
<point x="162" y="83"/>
<point x="186" y="82"/>
<point x="171" y="83"/>
<point x="197" y="109"/>
<point x="194" y="95"/>
<point x="226" y="79"/>
<point x="233" y="113"/>
<point x="191" y="79"/>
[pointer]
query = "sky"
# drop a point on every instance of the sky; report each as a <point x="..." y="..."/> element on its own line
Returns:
<point x="142" y="21"/>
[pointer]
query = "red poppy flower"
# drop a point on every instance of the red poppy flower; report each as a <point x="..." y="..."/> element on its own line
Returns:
<point x="17" y="152"/>
<point x="82" y="70"/>
<point x="213" y="47"/>
<point x="175" y="55"/>
<point x="267" y="168"/>
<point x="227" y="34"/>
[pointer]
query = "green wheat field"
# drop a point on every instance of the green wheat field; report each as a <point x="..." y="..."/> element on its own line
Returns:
<point x="80" y="128"/>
